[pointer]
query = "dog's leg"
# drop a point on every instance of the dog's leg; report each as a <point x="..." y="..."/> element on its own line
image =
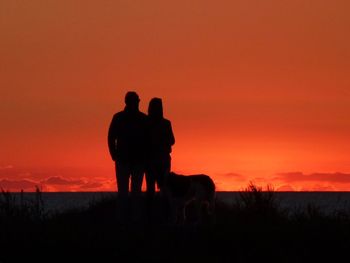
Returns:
<point x="182" y="214"/>
<point x="175" y="213"/>
<point x="198" y="212"/>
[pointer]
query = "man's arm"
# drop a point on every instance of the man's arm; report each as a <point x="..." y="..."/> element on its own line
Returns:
<point x="171" y="135"/>
<point x="112" y="136"/>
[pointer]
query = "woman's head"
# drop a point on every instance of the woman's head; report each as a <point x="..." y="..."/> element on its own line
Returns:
<point x="155" y="108"/>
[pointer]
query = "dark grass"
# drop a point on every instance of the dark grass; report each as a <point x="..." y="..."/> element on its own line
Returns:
<point x="253" y="229"/>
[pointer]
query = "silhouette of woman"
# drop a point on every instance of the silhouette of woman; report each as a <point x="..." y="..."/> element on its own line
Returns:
<point x="161" y="138"/>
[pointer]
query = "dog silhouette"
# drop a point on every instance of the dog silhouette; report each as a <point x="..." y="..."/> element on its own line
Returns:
<point x="183" y="191"/>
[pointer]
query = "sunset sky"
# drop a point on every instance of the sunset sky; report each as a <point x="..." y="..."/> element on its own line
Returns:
<point x="255" y="90"/>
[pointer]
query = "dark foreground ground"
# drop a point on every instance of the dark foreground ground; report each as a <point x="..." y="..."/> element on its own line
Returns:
<point x="253" y="229"/>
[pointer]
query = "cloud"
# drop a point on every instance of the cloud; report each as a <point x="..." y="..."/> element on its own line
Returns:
<point x="16" y="185"/>
<point x="285" y="188"/>
<point x="91" y="185"/>
<point x="56" y="180"/>
<point x="228" y="181"/>
<point x="18" y="173"/>
<point x="6" y="167"/>
<point x="56" y="184"/>
<point x="232" y="176"/>
<point x="292" y="177"/>
<point x="51" y="180"/>
<point x="235" y="175"/>
<point x="318" y="188"/>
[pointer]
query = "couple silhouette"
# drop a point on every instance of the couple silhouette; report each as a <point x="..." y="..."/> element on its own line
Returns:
<point x="140" y="144"/>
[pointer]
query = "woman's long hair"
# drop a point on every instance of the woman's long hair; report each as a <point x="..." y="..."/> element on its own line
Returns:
<point x="155" y="109"/>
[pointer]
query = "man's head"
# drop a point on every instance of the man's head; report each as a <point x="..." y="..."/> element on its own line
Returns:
<point x="132" y="100"/>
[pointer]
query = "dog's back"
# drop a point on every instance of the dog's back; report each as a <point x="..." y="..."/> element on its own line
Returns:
<point x="202" y="187"/>
<point x="182" y="190"/>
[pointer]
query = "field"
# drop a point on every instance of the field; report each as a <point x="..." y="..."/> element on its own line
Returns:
<point x="254" y="228"/>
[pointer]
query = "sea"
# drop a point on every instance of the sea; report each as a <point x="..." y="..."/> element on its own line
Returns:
<point x="326" y="202"/>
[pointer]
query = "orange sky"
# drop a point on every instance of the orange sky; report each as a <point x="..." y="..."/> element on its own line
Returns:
<point x="256" y="90"/>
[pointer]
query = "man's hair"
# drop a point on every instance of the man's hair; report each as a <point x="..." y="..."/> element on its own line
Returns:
<point x="131" y="98"/>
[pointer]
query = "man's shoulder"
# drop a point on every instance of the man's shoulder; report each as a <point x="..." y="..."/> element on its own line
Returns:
<point x="142" y="114"/>
<point x="126" y="115"/>
<point x="118" y="115"/>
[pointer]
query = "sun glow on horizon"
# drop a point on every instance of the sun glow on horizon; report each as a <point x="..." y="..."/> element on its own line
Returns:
<point x="254" y="90"/>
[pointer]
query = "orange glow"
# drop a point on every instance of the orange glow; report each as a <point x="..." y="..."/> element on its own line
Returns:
<point x="253" y="89"/>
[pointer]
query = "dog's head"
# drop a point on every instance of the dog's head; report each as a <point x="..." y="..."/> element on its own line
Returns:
<point x="176" y="184"/>
<point x="173" y="174"/>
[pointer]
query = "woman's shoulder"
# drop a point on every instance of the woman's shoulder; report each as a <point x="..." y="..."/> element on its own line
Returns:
<point x="166" y="121"/>
<point x="160" y="122"/>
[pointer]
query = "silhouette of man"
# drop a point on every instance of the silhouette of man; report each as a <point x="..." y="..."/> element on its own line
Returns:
<point x="127" y="141"/>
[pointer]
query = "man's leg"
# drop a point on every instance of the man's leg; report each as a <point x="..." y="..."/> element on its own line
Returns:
<point x="137" y="173"/>
<point x="122" y="174"/>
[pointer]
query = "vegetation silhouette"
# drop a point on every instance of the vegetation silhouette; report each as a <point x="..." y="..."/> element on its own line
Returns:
<point x="242" y="232"/>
